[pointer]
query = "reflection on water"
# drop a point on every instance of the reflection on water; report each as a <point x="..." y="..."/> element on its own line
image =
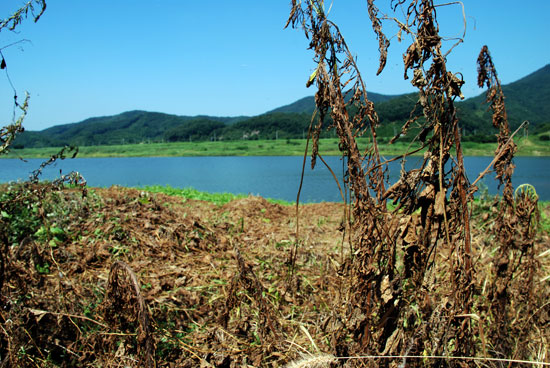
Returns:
<point x="272" y="177"/>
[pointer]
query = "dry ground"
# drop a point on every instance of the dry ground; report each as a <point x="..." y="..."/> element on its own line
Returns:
<point x="216" y="283"/>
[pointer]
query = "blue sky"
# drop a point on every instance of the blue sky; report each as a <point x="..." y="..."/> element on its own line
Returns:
<point x="227" y="58"/>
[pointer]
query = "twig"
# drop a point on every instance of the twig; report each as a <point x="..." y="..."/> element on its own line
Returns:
<point x="39" y="312"/>
<point x="334" y="176"/>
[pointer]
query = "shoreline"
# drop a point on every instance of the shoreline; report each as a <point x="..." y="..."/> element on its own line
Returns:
<point x="284" y="147"/>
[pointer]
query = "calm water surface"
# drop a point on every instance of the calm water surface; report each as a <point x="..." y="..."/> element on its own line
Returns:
<point x="270" y="177"/>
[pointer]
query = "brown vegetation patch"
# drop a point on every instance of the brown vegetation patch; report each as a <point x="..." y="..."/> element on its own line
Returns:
<point x="213" y="282"/>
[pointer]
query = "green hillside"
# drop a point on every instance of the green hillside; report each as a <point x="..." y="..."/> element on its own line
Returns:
<point x="307" y="104"/>
<point x="526" y="99"/>
<point x="126" y="128"/>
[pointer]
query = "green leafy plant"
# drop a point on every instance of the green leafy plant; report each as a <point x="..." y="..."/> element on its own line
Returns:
<point x="43" y="269"/>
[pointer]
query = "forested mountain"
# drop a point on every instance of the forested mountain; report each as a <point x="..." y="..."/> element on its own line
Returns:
<point x="526" y="99"/>
<point x="307" y="104"/>
<point x="128" y="127"/>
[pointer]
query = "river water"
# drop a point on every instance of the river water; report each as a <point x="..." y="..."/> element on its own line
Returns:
<point x="268" y="176"/>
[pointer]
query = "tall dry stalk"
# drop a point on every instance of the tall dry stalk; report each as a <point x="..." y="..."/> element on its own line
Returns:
<point x="395" y="304"/>
<point x="512" y="291"/>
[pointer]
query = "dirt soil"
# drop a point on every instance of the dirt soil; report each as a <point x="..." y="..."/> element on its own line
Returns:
<point x="141" y="279"/>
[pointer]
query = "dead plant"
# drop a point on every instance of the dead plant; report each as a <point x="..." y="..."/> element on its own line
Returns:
<point x="124" y="308"/>
<point x="246" y="286"/>
<point x="395" y="303"/>
<point x="511" y="293"/>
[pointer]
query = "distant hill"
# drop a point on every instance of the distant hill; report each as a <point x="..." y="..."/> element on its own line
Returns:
<point x="526" y="99"/>
<point x="307" y="104"/>
<point x="128" y="127"/>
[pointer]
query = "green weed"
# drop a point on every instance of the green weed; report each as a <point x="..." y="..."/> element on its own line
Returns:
<point x="43" y="269"/>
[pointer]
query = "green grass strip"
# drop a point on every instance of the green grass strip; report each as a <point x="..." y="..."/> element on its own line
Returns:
<point x="191" y="193"/>
<point x="282" y="147"/>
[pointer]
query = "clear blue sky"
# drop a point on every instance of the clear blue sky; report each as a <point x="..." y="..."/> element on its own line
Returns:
<point x="227" y="58"/>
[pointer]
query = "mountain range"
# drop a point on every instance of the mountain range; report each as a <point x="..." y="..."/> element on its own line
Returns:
<point x="526" y="99"/>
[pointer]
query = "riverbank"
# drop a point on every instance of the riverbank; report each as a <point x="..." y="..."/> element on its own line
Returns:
<point x="282" y="147"/>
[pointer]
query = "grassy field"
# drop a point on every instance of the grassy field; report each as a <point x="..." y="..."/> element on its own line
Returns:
<point x="288" y="147"/>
